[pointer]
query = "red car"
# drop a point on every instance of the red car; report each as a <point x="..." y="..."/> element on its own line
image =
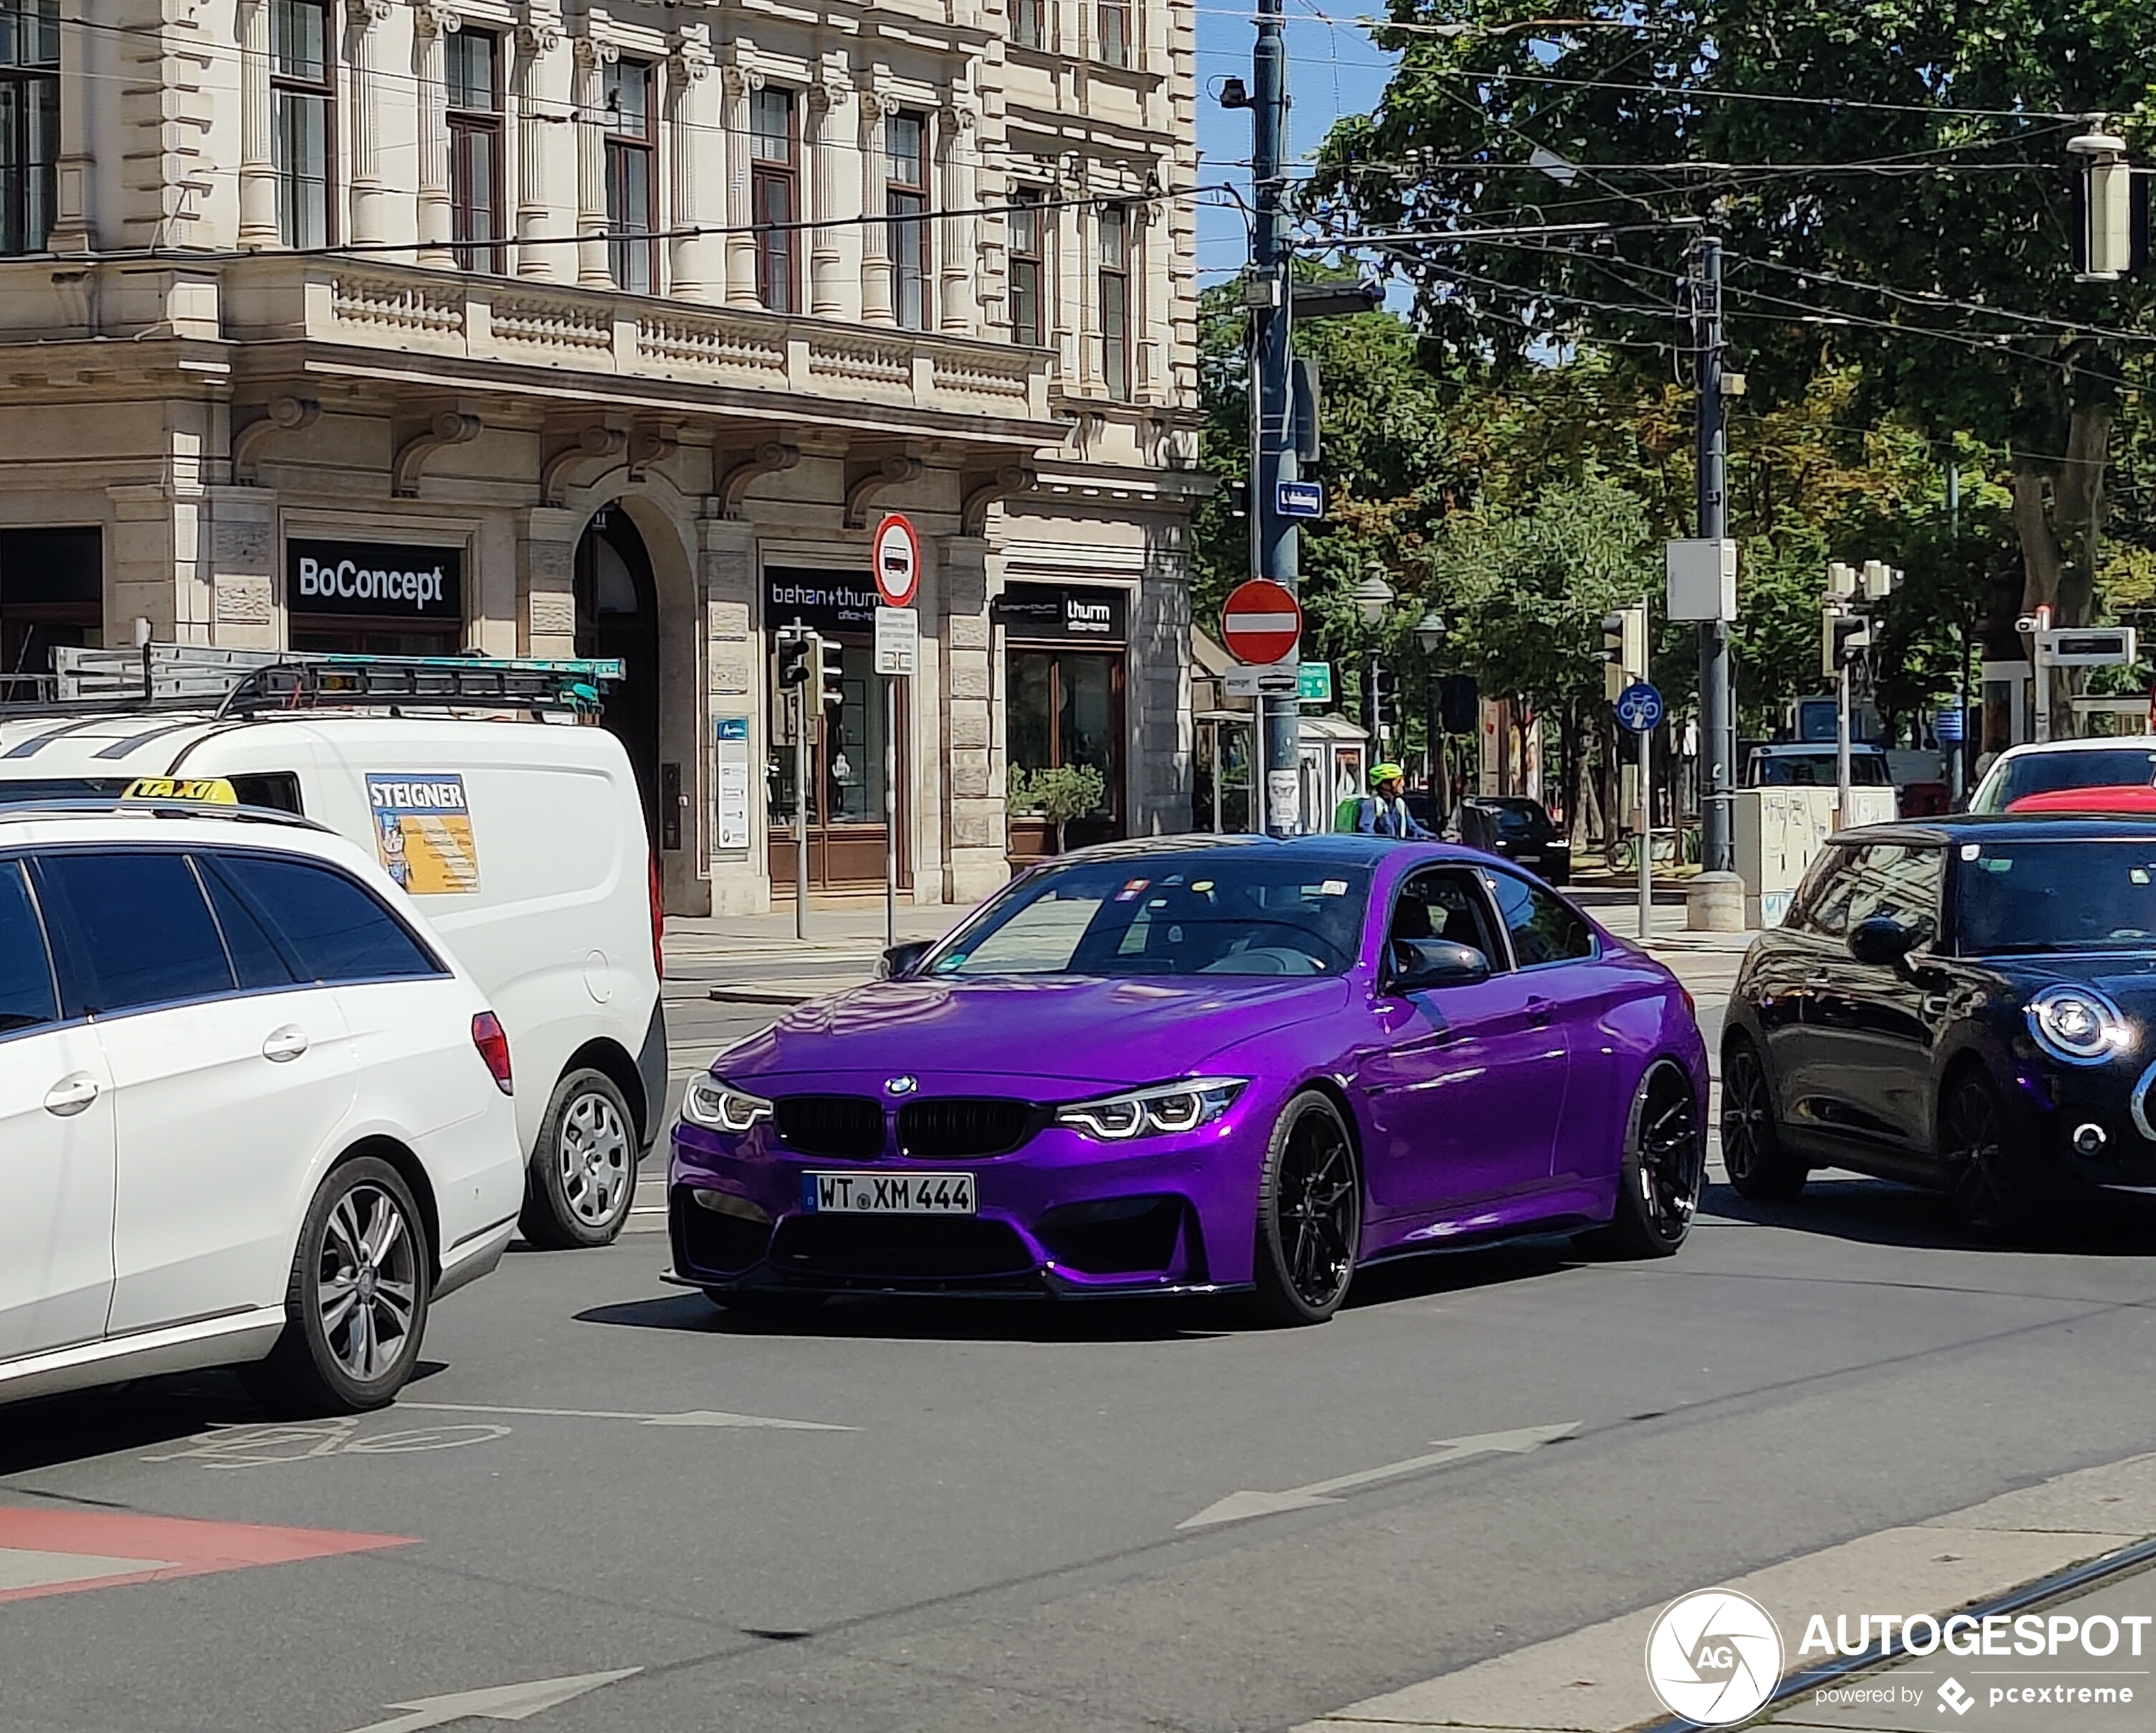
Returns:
<point x="2133" y="797"/>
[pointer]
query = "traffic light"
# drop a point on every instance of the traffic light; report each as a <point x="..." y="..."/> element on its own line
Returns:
<point x="793" y="660"/>
<point x="1385" y="690"/>
<point x="829" y="667"/>
<point x="1458" y="704"/>
<point x="1843" y="639"/>
<point x="1623" y="648"/>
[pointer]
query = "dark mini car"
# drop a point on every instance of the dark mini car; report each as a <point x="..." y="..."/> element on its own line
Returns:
<point x="1968" y="1005"/>
<point x="1516" y="827"/>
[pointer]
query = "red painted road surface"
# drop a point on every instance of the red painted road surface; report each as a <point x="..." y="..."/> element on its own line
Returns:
<point x="48" y="1551"/>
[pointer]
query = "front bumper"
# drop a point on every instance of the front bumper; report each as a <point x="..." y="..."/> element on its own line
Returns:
<point x="1061" y="1216"/>
<point x="2063" y="1101"/>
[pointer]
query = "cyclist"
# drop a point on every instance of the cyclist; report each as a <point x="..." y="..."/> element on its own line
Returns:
<point x="1382" y="811"/>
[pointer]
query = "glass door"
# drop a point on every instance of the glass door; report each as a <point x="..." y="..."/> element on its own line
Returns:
<point x="845" y="792"/>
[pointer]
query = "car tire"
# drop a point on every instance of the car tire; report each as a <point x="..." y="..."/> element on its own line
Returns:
<point x="1660" y="1180"/>
<point x="1310" y="1214"/>
<point x="1760" y="1167"/>
<point x="1994" y="1195"/>
<point x="356" y="1305"/>
<point x="582" y="1180"/>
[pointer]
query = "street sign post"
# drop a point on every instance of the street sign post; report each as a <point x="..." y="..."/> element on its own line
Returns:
<point x="1300" y="499"/>
<point x="1639" y="708"/>
<point x="1260" y="623"/>
<point x="898" y="642"/>
<point x="1256" y="682"/>
<point x="898" y="655"/>
<point x="894" y="556"/>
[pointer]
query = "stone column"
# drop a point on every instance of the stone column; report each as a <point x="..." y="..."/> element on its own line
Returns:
<point x="740" y="244"/>
<point x="820" y="152"/>
<point x="545" y="582"/>
<point x="257" y="161"/>
<point x="875" y="238"/>
<point x="688" y="72"/>
<point x="740" y="875"/>
<point x="956" y="303"/>
<point x="367" y="229"/>
<point x="433" y="25"/>
<point x="592" y="58"/>
<point x="1151" y="242"/>
<point x="535" y="43"/>
<point x="1076" y="338"/>
<point x="974" y="842"/>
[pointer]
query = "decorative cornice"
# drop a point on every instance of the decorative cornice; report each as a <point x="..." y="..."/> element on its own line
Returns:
<point x="433" y="19"/>
<point x="449" y="426"/>
<point x="283" y="415"/>
<point x="768" y="459"/>
<point x="892" y="472"/>
<point x="592" y="442"/>
<point x="691" y="56"/>
<point x="535" y="41"/>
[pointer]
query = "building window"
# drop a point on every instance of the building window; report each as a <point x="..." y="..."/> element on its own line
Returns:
<point x="1029" y="23"/>
<point x="1113" y="19"/>
<point x="1115" y="299"/>
<point x="1028" y="267"/>
<point x="774" y="198"/>
<point x="906" y="198"/>
<point x="630" y="146"/>
<point x="301" y="114"/>
<point x="474" y="63"/>
<point x="29" y="122"/>
<point x="52" y="594"/>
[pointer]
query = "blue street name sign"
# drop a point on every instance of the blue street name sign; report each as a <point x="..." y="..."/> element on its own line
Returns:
<point x="1639" y="707"/>
<point x="1299" y="499"/>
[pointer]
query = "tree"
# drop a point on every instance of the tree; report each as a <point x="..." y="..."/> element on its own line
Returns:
<point x="1058" y="793"/>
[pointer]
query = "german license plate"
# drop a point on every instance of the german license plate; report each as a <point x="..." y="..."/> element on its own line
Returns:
<point x="888" y="1194"/>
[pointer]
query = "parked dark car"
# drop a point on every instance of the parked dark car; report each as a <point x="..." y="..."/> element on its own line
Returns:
<point x="1968" y="1005"/>
<point x="1516" y="827"/>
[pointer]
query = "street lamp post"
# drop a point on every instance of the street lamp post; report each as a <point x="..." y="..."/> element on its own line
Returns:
<point x="1372" y="596"/>
<point x="1429" y="639"/>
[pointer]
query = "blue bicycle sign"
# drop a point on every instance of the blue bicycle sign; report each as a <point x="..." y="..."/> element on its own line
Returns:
<point x="1639" y="707"/>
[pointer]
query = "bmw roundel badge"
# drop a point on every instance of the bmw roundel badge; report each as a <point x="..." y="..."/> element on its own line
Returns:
<point x="900" y="1085"/>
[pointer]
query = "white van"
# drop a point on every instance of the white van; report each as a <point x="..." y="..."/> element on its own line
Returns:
<point x="525" y="844"/>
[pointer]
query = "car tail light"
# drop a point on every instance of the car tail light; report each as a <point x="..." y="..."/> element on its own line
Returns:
<point x="1691" y="1006"/>
<point x="658" y="923"/>
<point x="493" y="1047"/>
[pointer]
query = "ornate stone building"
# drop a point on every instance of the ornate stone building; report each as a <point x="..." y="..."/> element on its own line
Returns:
<point x="625" y="323"/>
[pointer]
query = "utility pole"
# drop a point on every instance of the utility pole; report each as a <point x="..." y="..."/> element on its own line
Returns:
<point x="1717" y="711"/>
<point x="1274" y="545"/>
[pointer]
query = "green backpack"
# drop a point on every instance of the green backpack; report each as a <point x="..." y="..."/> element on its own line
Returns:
<point x="1348" y="814"/>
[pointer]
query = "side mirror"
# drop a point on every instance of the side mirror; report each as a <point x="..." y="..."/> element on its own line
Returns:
<point x="1883" y="941"/>
<point x="898" y="961"/>
<point x="1419" y="965"/>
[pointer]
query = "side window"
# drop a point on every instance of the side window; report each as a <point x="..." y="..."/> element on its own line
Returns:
<point x="1446" y="904"/>
<point x="1899" y="881"/>
<point x="1543" y="929"/>
<point x="277" y="790"/>
<point x="331" y="926"/>
<point x="255" y="957"/>
<point x="137" y="932"/>
<point x="27" y="995"/>
<point x="1822" y="904"/>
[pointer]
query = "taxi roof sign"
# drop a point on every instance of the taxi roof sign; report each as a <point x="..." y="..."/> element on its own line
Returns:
<point x="205" y="791"/>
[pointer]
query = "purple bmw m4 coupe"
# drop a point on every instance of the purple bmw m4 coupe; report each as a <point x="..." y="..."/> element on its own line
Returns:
<point x="1201" y="1065"/>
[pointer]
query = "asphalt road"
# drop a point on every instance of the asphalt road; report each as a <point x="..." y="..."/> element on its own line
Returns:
<point x="974" y="1521"/>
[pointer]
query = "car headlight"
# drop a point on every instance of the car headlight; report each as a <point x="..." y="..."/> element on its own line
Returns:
<point x="2078" y="1025"/>
<point x="708" y="1100"/>
<point x="1157" y="1112"/>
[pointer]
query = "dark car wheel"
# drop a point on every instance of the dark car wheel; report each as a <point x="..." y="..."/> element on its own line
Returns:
<point x="1993" y="1195"/>
<point x="356" y="1306"/>
<point x="583" y="1175"/>
<point x="1759" y="1167"/>
<point x="1666" y="1165"/>
<point x="1310" y="1214"/>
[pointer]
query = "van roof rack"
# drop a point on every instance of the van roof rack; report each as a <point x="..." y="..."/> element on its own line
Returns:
<point x="250" y="682"/>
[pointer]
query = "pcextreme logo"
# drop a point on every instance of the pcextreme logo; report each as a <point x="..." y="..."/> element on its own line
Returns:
<point x="1713" y="1657"/>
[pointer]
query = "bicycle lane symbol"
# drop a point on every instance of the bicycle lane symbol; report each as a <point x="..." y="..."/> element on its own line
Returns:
<point x="225" y="1446"/>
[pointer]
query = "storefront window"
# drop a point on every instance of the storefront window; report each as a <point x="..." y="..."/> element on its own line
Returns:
<point x="1066" y="708"/>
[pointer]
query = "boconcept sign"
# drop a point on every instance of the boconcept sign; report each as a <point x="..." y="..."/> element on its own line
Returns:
<point x="374" y="577"/>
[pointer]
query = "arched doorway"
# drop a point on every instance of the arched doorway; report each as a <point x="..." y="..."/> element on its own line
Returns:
<point x="617" y="615"/>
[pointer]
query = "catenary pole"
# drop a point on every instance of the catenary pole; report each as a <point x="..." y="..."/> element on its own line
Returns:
<point x="1274" y="545"/>
<point x="1717" y="711"/>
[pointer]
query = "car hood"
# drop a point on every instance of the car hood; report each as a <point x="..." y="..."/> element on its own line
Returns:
<point x="1062" y="1031"/>
<point x="2128" y="980"/>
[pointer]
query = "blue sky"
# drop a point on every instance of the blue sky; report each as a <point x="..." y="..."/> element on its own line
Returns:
<point x="1332" y="70"/>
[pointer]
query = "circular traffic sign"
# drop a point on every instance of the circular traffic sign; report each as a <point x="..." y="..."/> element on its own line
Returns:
<point x="1260" y="623"/>
<point x="1639" y="707"/>
<point x="896" y="557"/>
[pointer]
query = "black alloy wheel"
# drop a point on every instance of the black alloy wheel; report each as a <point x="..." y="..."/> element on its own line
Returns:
<point x="1310" y="1214"/>
<point x="1665" y="1167"/>
<point x="1990" y="1191"/>
<point x="1759" y="1167"/>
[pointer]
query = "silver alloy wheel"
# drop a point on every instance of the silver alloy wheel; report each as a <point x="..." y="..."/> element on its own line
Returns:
<point x="594" y="1159"/>
<point x="369" y="1286"/>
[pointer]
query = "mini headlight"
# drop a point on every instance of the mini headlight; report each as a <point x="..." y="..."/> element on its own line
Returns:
<point x="708" y="1100"/>
<point x="2078" y="1025"/>
<point x="1161" y="1111"/>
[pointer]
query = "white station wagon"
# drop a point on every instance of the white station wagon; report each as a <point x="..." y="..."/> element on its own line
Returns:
<point x="251" y="1113"/>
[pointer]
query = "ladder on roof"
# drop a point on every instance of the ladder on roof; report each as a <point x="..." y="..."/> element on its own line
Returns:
<point x="247" y="682"/>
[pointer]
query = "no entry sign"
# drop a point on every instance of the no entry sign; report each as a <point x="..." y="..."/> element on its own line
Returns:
<point x="1260" y="623"/>
<point x="896" y="557"/>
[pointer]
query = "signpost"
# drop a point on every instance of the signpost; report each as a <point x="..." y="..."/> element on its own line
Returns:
<point x="1639" y="708"/>
<point x="1261" y="623"/>
<point x="896" y="557"/>
<point x="1300" y="499"/>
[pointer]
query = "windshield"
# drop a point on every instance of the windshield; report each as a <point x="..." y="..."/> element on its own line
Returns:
<point x="2075" y="895"/>
<point x="1522" y="823"/>
<point x="1816" y="769"/>
<point x="1202" y="913"/>
<point x="2040" y="772"/>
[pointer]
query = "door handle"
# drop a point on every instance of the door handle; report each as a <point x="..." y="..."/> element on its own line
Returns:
<point x="284" y="1044"/>
<point x="69" y="1096"/>
<point x="1539" y="1012"/>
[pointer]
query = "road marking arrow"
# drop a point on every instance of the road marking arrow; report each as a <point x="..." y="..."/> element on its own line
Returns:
<point x="500" y="1702"/>
<point x="1241" y="1506"/>
<point x="701" y="1417"/>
